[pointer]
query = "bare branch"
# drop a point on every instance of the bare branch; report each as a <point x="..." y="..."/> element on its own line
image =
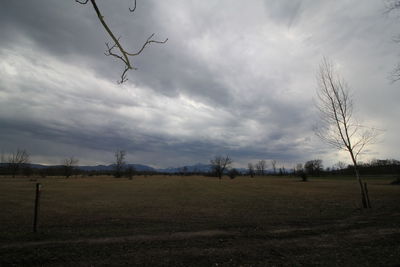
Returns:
<point x="120" y="53"/>
<point x="134" y="7"/>
<point x="83" y="2"/>
<point x="391" y="5"/>
<point x="338" y="129"/>
<point x="148" y="41"/>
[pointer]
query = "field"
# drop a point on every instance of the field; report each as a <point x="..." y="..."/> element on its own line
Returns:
<point x="199" y="221"/>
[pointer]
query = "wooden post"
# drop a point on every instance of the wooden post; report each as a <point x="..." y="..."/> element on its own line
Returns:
<point x="367" y="195"/>
<point x="37" y="206"/>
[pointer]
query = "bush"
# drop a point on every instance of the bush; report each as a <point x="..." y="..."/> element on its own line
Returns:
<point x="303" y="176"/>
<point x="130" y="172"/>
<point x="233" y="173"/>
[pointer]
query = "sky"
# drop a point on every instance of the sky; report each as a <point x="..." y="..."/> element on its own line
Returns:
<point x="235" y="78"/>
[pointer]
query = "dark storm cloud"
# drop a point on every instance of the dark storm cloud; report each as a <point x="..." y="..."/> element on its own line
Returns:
<point x="234" y="78"/>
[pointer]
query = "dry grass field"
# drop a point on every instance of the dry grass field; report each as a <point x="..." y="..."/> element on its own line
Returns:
<point x="199" y="221"/>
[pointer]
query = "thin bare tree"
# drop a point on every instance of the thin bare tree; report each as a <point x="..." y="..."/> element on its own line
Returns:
<point x="69" y="165"/>
<point x="115" y="49"/>
<point x="219" y="164"/>
<point x="260" y="167"/>
<point x="273" y="163"/>
<point x="250" y="170"/>
<point x="119" y="165"/>
<point x="16" y="161"/>
<point x="337" y="126"/>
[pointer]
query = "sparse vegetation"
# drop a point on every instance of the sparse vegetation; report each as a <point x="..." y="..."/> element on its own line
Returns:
<point x="338" y="127"/>
<point x="313" y="167"/>
<point x="69" y="165"/>
<point x="250" y="170"/>
<point x="119" y="163"/>
<point x="219" y="165"/>
<point x="198" y="221"/>
<point x="17" y="161"/>
<point x="233" y="173"/>
<point x="260" y="167"/>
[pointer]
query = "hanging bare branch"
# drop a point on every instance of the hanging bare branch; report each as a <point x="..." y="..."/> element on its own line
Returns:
<point x="116" y="49"/>
<point x="392" y="6"/>
<point x="134" y="7"/>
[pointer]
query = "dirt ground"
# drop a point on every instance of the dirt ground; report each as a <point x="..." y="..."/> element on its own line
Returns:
<point x="200" y="222"/>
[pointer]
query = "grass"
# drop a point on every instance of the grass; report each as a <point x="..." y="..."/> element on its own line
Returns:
<point x="261" y="221"/>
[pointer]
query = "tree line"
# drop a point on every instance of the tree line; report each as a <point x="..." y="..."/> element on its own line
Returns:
<point x="18" y="164"/>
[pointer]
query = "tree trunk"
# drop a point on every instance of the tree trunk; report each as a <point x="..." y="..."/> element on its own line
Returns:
<point x="364" y="196"/>
<point x="363" y="193"/>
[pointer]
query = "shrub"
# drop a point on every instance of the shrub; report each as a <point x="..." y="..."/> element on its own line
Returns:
<point x="303" y="176"/>
<point x="233" y="173"/>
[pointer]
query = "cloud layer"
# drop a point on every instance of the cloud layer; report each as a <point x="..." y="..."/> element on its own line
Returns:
<point x="234" y="78"/>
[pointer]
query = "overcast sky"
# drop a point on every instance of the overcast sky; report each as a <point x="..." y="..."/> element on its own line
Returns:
<point x="235" y="78"/>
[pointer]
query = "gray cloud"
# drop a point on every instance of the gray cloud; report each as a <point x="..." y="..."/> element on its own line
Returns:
<point x="234" y="79"/>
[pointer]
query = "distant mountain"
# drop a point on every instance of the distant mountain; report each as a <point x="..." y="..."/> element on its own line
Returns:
<point x="138" y="167"/>
<point x="197" y="168"/>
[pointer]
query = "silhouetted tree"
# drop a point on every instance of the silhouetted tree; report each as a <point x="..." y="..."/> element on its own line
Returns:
<point x="116" y="49"/>
<point x="313" y="167"/>
<point x="130" y="171"/>
<point x="233" y="173"/>
<point x="119" y="163"/>
<point x="68" y="165"/>
<point x="16" y="161"/>
<point x="219" y="164"/>
<point x="260" y="167"/>
<point x="338" y="127"/>
<point x="299" y="170"/>
<point x="250" y="170"/>
<point x="273" y="163"/>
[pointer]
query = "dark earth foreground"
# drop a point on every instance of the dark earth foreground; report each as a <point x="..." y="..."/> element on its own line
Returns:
<point x="199" y="221"/>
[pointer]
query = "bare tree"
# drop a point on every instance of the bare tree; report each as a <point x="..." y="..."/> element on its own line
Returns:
<point x="219" y="164"/>
<point x="298" y="168"/>
<point x="313" y="167"/>
<point x="260" y="167"/>
<point x="115" y="49"/>
<point x="338" y="127"/>
<point x="339" y="166"/>
<point x="130" y="172"/>
<point x="16" y="161"/>
<point x="299" y="171"/>
<point x="250" y="170"/>
<point x="273" y="163"/>
<point x="119" y="163"/>
<point x="69" y="165"/>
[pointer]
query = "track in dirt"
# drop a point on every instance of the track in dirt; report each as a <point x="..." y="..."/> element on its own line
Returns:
<point x="133" y="238"/>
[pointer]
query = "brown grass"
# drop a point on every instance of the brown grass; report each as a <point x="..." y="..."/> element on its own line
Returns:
<point x="274" y="220"/>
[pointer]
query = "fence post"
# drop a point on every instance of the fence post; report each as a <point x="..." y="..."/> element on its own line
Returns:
<point x="37" y="206"/>
<point x="367" y="195"/>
